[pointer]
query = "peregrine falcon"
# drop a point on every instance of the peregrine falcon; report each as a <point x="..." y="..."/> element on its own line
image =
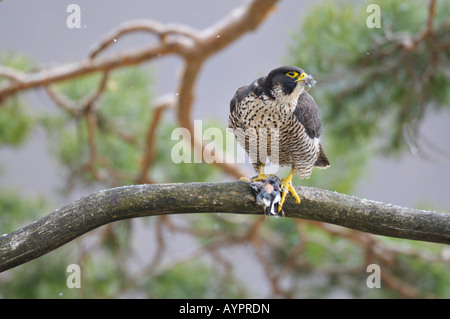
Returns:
<point x="275" y="118"/>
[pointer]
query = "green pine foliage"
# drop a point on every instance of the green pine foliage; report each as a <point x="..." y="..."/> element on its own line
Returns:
<point x="375" y="82"/>
<point x="15" y="121"/>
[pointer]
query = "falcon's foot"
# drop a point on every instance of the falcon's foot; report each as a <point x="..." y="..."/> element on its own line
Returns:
<point x="286" y="186"/>
<point x="261" y="176"/>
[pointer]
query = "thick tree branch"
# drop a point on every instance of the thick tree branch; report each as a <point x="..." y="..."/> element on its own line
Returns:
<point x="95" y="210"/>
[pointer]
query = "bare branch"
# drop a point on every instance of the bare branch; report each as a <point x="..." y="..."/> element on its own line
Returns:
<point x="238" y="22"/>
<point x="431" y="14"/>
<point x="68" y="71"/>
<point x="95" y="210"/>
<point x="150" y="26"/>
<point x="194" y="46"/>
<point x="11" y="74"/>
<point x="77" y="108"/>
<point x="187" y="43"/>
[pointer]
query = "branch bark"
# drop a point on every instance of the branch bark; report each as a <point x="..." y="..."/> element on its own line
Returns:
<point x="103" y="207"/>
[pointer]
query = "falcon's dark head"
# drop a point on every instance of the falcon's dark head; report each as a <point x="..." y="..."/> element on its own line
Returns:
<point x="288" y="80"/>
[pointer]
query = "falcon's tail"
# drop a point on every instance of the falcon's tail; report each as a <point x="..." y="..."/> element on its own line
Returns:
<point x="322" y="160"/>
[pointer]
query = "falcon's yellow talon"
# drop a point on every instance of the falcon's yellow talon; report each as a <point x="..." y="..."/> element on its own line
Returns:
<point x="260" y="176"/>
<point x="294" y="194"/>
<point x="283" y="198"/>
<point x="286" y="186"/>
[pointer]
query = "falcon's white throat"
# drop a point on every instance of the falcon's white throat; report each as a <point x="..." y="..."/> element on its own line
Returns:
<point x="288" y="100"/>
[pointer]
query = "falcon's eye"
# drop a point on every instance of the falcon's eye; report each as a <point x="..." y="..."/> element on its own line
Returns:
<point x="292" y="74"/>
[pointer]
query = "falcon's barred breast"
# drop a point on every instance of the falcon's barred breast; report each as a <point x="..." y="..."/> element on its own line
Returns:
<point x="276" y="118"/>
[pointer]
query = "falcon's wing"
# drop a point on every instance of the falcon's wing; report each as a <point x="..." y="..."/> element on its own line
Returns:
<point x="307" y="113"/>
<point x="255" y="87"/>
<point x="238" y="97"/>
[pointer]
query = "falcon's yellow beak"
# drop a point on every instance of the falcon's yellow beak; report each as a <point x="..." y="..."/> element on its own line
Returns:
<point x="307" y="79"/>
<point x="301" y="77"/>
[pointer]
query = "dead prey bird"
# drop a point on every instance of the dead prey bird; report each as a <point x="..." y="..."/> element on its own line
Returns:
<point x="268" y="194"/>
